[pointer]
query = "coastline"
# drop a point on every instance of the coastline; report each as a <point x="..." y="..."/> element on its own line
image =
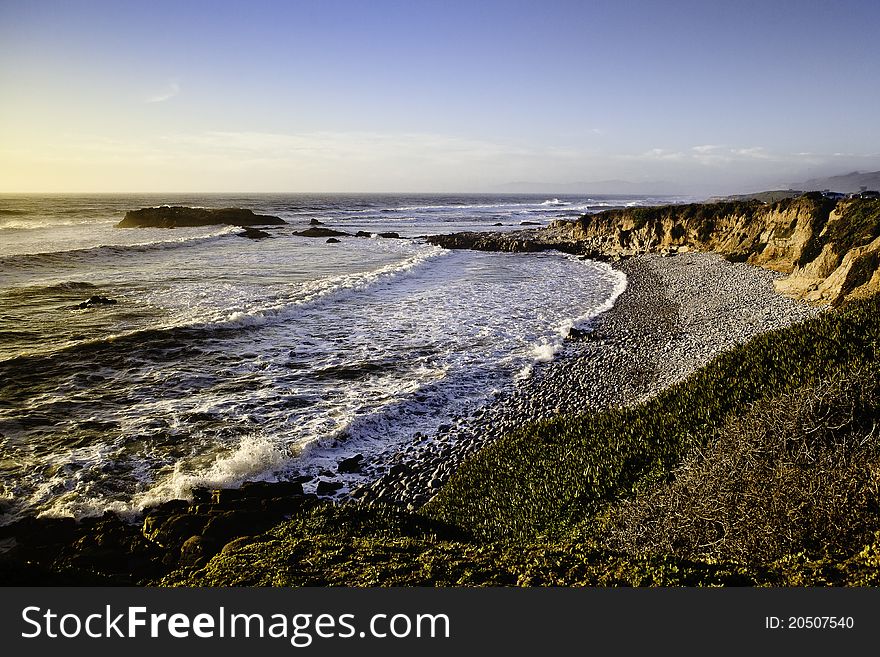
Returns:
<point x="676" y="314"/>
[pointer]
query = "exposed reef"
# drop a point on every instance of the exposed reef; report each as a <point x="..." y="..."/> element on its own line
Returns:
<point x="321" y="232"/>
<point x="177" y="216"/>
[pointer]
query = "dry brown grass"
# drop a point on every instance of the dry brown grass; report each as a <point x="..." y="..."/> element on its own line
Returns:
<point x="797" y="473"/>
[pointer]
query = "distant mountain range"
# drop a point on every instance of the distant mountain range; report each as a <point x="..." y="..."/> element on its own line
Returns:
<point x="657" y="187"/>
<point x="847" y="183"/>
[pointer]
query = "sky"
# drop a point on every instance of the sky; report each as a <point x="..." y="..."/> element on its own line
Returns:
<point x="424" y="96"/>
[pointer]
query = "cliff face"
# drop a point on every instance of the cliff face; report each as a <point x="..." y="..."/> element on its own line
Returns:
<point x="830" y="250"/>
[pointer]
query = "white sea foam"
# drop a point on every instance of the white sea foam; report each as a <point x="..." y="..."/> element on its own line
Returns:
<point x="68" y="250"/>
<point x="256" y="458"/>
<point x="316" y="291"/>
<point x="547" y="349"/>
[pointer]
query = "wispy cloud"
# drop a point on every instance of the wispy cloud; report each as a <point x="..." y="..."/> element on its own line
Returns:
<point x="170" y="91"/>
<point x="706" y="148"/>
<point x="710" y="155"/>
<point x="658" y="155"/>
<point x="754" y="153"/>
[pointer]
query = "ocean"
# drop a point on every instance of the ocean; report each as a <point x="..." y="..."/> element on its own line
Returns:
<point x="227" y="360"/>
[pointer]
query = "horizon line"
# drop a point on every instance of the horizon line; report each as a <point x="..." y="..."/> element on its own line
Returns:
<point x="337" y="192"/>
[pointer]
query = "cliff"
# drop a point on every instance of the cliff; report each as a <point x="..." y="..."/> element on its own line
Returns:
<point x="829" y="249"/>
<point x="176" y="216"/>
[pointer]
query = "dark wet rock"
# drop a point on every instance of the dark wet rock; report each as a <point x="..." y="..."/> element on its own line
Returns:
<point x="200" y="496"/>
<point x="223" y="526"/>
<point x="171" y="507"/>
<point x="254" y="234"/>
<point x="529" y="223"/>
<point x="196" y="551"/>
<point x="511" y="242"/>
<point x="497" y="223"/>
<point x="171" y="531"/>
<point x="176" y="216"/>
<point x="317" y="231"/>
<point x="265" y="489"/>
<point x="237" y="543"/>
<point x="577" y="334"/>
<point x="96" y="301"/>
<point x="332" y="240"/>
<point x="328" y="487"/>
<point x="108" y="550"/>
<point x="525" y="240"/>
<point x="390" y="235"/>
<point x="363" y="233"/>
<point x="399" y="469"/>
<point x="315" y="222"/>
<point x="49" y="551"/>
<point x="351" y="465"/>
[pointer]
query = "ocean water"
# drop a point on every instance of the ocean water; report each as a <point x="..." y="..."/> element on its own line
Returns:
<point x="227" y="360"/>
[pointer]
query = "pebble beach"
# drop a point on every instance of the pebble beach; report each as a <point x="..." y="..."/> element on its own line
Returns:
<point x="676" y="314"/>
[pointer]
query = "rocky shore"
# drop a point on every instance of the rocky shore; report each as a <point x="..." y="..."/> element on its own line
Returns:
<point x="676" y="314"/>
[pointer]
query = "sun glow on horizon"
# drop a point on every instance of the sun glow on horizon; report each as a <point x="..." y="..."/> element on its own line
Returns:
<point x="113" y="97"/>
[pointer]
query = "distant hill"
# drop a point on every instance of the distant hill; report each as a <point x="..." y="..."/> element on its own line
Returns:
<point x="771" y="196"/>
<point x="657" y="187"/>
<point x="847" y="183"/>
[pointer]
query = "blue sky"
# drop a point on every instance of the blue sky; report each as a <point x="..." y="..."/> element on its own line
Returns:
<point x="434" y="96"/>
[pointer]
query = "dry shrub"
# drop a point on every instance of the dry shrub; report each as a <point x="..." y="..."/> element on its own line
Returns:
<point x="796" y="473"/>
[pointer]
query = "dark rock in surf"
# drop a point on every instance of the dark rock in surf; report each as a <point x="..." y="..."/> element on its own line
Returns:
<point x="328" y="487"/>
<point x="577" y="334"/>
<point x="350" y="465"/>
<point x="315" y="222"/>
<point x="498" y="224"/>
<point x="96" y="301"/>
<point x="275" y="489"/>
<point x="254" y="234"/>
<point x="332" y="240"/>
<point x="320" y="232"/>
<point x="517" y="242"/>
<point x="529" y="223"/>
<point x="177" y="216"/>
<point x="388" y="235"/>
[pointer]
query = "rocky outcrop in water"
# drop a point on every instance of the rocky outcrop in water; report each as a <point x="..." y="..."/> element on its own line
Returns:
<point x="95" y="301"/>
<point x="177" y="216"/>
<point x="254" y="234"/>
<point x="321" y="232"/>
<point x="829" y="249"/>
